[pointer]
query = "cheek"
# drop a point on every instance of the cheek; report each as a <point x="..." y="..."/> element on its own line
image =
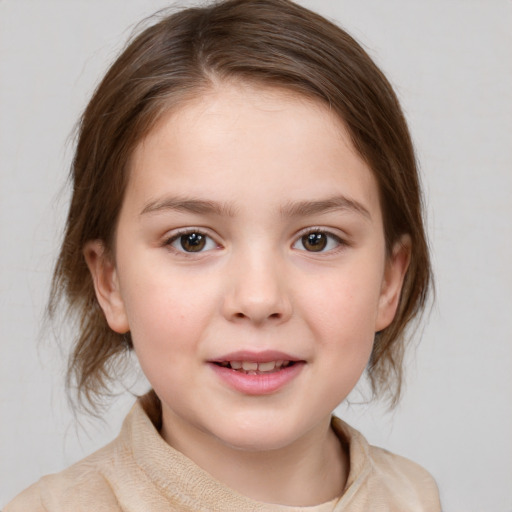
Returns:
<point x="344" y="305"/>
<point x="342" y="314"/>
<point x="167" y="315"/>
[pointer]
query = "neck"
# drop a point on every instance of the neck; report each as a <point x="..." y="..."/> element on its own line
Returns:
<point x="310" y="471"/>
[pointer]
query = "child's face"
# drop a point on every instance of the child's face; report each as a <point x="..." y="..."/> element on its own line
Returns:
<point x="251" y="232"/>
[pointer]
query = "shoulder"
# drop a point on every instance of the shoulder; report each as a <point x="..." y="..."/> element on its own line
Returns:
<point x="398" y="473"/>
<point x="82" y="486"/>
<point x="103" y="480"/>
<point x="383" y="480"/>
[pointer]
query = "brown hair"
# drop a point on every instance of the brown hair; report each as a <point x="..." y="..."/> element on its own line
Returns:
<point x="272" y="42"/>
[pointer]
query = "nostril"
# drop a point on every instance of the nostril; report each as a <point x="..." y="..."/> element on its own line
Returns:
<point x="274" y="316"/>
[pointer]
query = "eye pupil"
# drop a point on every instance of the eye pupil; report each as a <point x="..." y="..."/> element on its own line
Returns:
<point x="193" y="242"/>
<point x="314" y="241"/>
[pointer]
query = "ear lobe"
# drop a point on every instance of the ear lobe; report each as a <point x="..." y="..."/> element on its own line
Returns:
<point x="396" y="267"/>
<point x="106" y="285"/>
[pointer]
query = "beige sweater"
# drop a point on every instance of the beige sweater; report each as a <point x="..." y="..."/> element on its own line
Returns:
<point x="140" y="472"/>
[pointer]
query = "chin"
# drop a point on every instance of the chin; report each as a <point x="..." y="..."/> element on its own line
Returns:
<point x="258" y="435"/>
<point x="257" y="444"/>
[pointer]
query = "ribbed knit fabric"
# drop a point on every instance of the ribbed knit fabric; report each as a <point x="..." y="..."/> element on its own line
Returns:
<point x="140" y="472"/>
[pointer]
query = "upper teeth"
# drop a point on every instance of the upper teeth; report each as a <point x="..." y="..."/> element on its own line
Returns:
<point x="252" y="366"/>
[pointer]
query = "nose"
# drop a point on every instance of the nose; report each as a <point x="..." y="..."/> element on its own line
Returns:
<point x="257" y="291"/>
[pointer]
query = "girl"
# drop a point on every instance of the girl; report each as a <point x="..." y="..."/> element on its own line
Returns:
<point x="246" y="217"/>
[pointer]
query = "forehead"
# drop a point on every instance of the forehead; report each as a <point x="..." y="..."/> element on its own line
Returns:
<point x="225" y="106"/>
<point x="248" y="138"/>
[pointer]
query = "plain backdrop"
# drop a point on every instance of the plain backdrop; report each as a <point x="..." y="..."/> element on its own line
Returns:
<point x="451" y="64"/>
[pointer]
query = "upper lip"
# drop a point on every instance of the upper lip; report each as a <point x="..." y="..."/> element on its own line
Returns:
<point x="255" y="357"/>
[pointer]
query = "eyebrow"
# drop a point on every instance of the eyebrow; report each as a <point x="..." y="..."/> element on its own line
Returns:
<point x="188" y="205"/>
<point x="307" y="208"/>
<point x="292" y="209"/>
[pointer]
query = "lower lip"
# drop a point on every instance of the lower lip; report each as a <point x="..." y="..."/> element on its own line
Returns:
<point x="261" y="384"/>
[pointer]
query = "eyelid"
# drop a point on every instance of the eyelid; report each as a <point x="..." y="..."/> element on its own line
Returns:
<point x="175" y="235"/>
<point x="340" y="240"/>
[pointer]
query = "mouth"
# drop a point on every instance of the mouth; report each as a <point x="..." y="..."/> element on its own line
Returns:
<point x="257" y="373"/>
<point x="256" y="368"/>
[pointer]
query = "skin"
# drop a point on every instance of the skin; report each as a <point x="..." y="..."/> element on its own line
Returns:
<point x="260" y="168"/>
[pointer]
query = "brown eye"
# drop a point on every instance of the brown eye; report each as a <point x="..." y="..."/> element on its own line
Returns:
<point x="192" y="242"/>
<point x="318" y="241"/>
<point x="314" y="242"/>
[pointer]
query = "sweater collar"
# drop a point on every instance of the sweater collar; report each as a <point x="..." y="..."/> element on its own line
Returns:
<point x="179" y="478"/>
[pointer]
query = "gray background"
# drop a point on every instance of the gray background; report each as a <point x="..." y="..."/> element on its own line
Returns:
<point x="451" y="63"/>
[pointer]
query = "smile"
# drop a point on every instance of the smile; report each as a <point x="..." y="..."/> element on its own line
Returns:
<point x="255" y="374"/>
<point x="254" y="368"/>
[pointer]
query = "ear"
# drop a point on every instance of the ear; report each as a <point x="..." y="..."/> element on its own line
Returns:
<point x="396" y="267"/>
<point x="106" y="285"/>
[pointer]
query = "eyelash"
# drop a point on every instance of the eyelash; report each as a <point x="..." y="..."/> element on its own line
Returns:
<point x="331" y="237"/>
<point x="189" y="231"/>
<point x="204" y="238"/>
